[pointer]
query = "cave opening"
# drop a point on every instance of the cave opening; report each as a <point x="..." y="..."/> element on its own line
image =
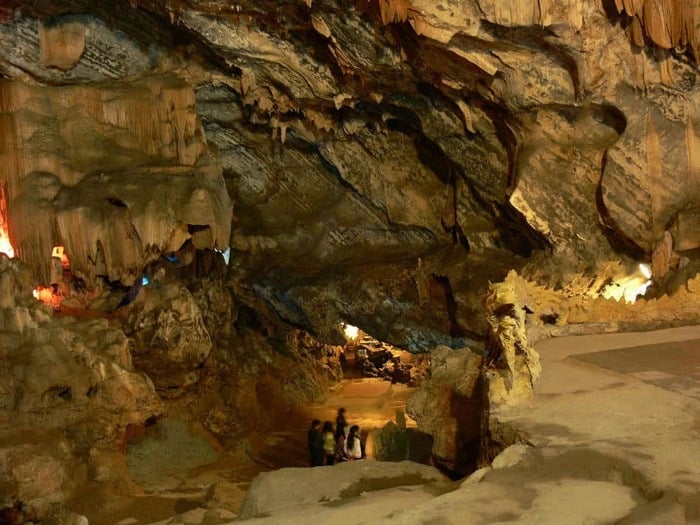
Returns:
<point x="373" y="386"/>
<point x="364" y="356"/>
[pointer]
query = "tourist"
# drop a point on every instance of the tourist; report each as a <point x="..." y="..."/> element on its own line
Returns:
<point x="315" y="444"/>
<point x="340" y="424"/>
<point x="328" y="442"/>
<point x="340" y="445"/>
<point x="353" y="445"/>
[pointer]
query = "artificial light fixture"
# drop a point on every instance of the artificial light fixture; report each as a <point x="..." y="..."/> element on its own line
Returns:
<point x="351" y="332"/>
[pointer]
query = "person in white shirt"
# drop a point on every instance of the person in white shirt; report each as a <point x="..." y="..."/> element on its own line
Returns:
<point x="352" y="446"/>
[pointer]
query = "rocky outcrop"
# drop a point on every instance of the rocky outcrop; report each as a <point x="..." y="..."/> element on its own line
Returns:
<point x="466" y="385"/>
<point x="292" y="488"/>
<point x="451" y="407"/>
<point x="395" y="442"/>
<point x="73" y="380"/>
<point x="515" y="364"/>
<point x="171" y="341"/>
<point x="581" y="308"/>
<point x="386" y="159"/>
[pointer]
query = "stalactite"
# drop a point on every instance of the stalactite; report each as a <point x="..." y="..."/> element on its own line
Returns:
<point x="393" y="11"/>
<point x="55" y="139"/>
<point x="667" y="24"/>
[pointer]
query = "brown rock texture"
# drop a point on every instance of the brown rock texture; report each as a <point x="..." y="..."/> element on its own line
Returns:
<point x="384" y="159"/>
<point x="65" y="386"/>
<point x="277" y="168"/>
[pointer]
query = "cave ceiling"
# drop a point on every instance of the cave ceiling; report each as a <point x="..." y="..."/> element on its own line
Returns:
<point x="376" y="162"/>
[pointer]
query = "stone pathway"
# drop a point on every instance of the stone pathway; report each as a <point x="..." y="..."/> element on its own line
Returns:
<point x="673" y="365"/>
<point x="631" y="397"/>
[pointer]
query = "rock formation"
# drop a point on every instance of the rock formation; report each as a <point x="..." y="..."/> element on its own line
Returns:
<point x="274" y="169"/>
<point x="483" y="137"/>
<point x="73" y="378"/>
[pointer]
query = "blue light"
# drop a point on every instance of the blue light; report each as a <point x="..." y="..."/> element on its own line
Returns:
<point x="225" y="253"/>
<point x="145" y="281"/>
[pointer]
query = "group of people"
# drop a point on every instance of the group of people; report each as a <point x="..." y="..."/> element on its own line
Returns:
<point x="328" y="446"/>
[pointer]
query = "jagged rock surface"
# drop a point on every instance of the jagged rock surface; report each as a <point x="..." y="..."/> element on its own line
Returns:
<point x="171" y="341"/>
<point x="376" y="162"/>
<point x="72" y="379"/>
<point x="353" y="141"/>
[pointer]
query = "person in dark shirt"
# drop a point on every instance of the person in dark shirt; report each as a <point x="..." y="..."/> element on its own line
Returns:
<point x="340" y="424"/>
<point x="315" y="444"/>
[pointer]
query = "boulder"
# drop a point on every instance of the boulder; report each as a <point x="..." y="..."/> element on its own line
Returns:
<point x="171" y="338"/>
<point x="450" y="407"/>
<point x="287" y="488"/>
<point x="395" y="442"/>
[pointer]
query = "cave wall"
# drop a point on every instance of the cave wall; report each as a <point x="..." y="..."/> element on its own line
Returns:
<point x="377" y="162"/>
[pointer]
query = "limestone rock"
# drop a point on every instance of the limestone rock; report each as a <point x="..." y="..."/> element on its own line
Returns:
<point x="69" y="371"/>
<point x="109" y="229"/>
<point x="62" y="44"/>
<point x="171" y="339"/>
<point x="477" y="138"/>
<point x="516" y="364"/>
<point x="513" y="455"/>
<point x="450" y="407"/>
<point x="395" y="442"/>
<point x="40" y="476"/>
<point x="225" y="495"/>
<point x="62" y="47"/>
<point x="70" y="378"/>
<point x="293" y="487"/>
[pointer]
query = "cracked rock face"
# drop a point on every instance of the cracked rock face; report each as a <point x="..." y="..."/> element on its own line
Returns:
<point x="375" y="162"/>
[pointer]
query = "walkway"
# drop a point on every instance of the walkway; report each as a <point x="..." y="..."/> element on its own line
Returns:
<point x="630" y="398"/>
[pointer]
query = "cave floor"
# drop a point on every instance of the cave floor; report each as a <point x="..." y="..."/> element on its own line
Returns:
<point x="176" y="470"/>
<point x="617" y="411"/>
<point x="615" y="417"/>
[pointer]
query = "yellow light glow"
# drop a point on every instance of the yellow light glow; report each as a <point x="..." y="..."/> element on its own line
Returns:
<point x="629" y="287"/>
<point x="645" y="269"/>
<point x="351" y="332"/>
<point x="47" y="296"/>
<point x="59" y="253"/>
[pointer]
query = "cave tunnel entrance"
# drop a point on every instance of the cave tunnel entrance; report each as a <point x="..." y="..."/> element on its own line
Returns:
<point x="364" y="356"/>
<point x="377" y="380"/>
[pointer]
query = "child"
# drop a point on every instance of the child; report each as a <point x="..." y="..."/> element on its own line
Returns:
<point x="328" y="442"/>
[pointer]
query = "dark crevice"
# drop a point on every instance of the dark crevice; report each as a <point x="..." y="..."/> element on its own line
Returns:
<point x="115" y="201"/>
<point x="452" y="307"/>
<point x="516" y="234"/>
<point x="618" y="241"/>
